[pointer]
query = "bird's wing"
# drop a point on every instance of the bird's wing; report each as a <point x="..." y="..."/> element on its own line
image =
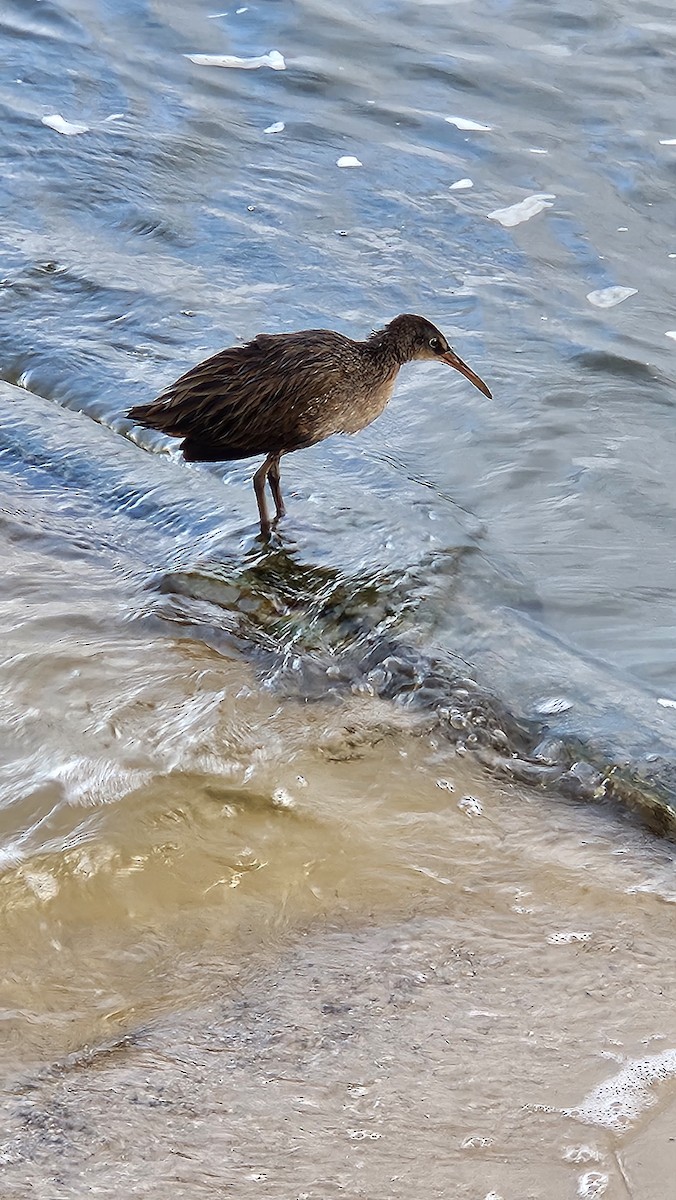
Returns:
<point x="252" y="399"/>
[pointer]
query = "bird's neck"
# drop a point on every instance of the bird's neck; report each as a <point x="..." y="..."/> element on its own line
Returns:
<point x="386" y="352"/>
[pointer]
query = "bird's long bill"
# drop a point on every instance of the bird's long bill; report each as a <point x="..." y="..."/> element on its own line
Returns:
<point x="454" y="361"/>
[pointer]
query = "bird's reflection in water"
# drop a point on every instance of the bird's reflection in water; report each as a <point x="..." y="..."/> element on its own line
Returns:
<point x="271" y="599"/>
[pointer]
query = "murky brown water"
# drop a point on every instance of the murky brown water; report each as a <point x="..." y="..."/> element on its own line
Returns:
<point x="268" y="925"/>
<point x="365" y="970"/>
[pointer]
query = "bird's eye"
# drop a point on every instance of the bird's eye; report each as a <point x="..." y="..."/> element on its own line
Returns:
<point x="435" y="344"/>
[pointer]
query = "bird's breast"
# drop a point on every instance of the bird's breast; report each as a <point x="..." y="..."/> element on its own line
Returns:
<point x="361" y="408"/>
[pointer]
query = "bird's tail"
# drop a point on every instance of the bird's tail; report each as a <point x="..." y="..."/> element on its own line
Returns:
<point x="158" y="415"/>
<point x="172" y="419"/>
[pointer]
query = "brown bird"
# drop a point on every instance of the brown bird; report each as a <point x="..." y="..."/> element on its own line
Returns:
<point x="285" y="391"/>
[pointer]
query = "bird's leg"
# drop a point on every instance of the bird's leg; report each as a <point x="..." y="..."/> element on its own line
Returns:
<point x="259" y="487"/>
<point x="273" y="480"/>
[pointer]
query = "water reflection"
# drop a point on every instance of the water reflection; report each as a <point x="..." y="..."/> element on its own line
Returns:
<point x="279" y="598"/>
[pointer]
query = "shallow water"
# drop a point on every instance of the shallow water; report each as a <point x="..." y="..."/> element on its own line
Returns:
<point x="269" y="923"/>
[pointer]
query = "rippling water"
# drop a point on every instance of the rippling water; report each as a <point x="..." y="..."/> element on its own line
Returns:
<point x="213" y="749"/>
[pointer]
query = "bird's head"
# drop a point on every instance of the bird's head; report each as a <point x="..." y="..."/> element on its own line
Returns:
<point x="418" y="340"/>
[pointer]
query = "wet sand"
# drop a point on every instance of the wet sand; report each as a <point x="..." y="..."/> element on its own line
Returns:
<point x="383" y="976"/>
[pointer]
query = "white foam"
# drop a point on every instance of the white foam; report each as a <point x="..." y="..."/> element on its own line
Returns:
<point x="564" y="937"/>
<point x="670" y="333"/>
<point x="471" y="806"/>
<point x="666" y="703"/>
<point x="667" y="141"/>
<point x="282" y="799"/>
<point x="10" y="856"/>
<point x="524" y="210"/>
<point x="60" y="125"/>
<point x="610" y="296"/>
<point x="619" y="1102"/>
<point x="276" y="127"/>
<point x="592" y="1183"/>
<point x="537" y="150"/>
<point x="273" y="59"/>
<point x="464" y="123"/>
<point x="461" y="184"/>
<point x="553" y="704"/>
<point x="348" y="160"/>
<point x="581" y="1154"/>
<point x="44" y="885"/>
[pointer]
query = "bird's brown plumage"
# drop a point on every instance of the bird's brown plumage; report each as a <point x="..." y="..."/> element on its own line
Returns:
<point x="283" y="392"/>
